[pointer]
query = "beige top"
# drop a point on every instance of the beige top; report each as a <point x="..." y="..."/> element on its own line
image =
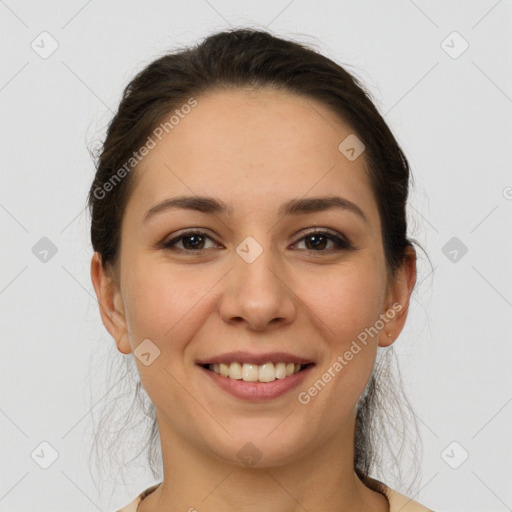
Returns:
<point x="397" y="502"/>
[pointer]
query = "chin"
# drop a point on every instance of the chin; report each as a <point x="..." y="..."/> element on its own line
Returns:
<point x="262" y="449"/>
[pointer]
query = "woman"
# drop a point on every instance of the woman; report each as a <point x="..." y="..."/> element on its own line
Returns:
<point x="249" y="228"/>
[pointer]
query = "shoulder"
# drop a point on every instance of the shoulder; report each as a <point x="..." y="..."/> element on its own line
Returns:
<point x="397" y="502"/>
<point x="401" y="503"/>
<point x="132" y="506"/>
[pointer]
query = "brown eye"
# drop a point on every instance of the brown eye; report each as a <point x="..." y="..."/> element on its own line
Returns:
<point x="191" y="241"/>
<point x="318" y="241"/>
<point x="315" y="241"/>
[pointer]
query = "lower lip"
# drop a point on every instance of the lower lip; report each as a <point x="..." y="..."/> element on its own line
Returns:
<point x="258" y="391"/>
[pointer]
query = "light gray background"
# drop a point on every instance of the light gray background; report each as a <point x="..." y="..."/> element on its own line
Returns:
<point x="453" y="118"/>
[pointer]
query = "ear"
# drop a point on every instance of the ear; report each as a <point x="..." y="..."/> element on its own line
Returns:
<point x="398" y="298"/>
<point x="110" y="303"/>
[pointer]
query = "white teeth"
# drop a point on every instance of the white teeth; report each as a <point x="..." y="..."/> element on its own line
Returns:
<point x="234" y="372"/>
<point x="280" y="370"/>
<point x="255" y="373"/>
<point x="250" y="372"/>
<point x="267" y="372"/>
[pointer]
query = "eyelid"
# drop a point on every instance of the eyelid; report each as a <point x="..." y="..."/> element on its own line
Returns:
<point x="186" y="232"/>
<point x="323" y="231"/>
<point x="340" y="240"/>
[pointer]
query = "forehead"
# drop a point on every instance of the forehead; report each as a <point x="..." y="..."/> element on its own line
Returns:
<point x="253" y="148"/>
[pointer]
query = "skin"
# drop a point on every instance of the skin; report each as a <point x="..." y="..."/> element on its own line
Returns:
<point x="253" y="150"/>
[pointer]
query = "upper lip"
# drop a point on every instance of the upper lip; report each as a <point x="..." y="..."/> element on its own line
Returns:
<point x="252" y="358"/>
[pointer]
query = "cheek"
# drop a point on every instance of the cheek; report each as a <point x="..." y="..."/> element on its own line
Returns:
<point x="157" y="301"/>
<point x="164" y="307"/>
<point x="166" y="304"/>
<point x="347" y="308"/>
<point x="347" y="302"/>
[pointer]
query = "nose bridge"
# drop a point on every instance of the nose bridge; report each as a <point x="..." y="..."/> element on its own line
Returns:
<point x="256" y="292"/>
<point x="253" y="266"/>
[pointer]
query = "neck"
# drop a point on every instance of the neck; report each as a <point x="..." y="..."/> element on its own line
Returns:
<point x="321" y="479"/>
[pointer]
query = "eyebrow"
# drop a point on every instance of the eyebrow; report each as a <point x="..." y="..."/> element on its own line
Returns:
<point x="211" y="205"/>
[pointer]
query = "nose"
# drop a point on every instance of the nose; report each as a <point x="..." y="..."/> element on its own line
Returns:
<point x="257" y="294"/>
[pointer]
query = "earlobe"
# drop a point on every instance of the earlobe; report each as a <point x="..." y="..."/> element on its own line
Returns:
<point x="386" y="338"/>
<point x="398" y="299"/>
<point x="110" y="303"/>
<point x="118" y="317"/>
<point x="123" y="344"/>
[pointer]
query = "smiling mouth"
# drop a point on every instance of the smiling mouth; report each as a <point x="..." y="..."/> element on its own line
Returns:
<point x="248" y="372"/>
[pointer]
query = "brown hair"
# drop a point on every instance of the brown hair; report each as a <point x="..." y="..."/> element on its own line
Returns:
<point x="256" y="59"/>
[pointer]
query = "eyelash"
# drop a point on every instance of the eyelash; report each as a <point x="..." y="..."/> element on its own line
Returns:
<point x="341" y="242"/>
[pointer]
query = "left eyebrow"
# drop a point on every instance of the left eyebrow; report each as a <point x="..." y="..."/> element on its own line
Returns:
<point x="299" y="206"/>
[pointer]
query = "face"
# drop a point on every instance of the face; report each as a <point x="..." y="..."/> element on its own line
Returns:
<point x="253" y="278"/>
